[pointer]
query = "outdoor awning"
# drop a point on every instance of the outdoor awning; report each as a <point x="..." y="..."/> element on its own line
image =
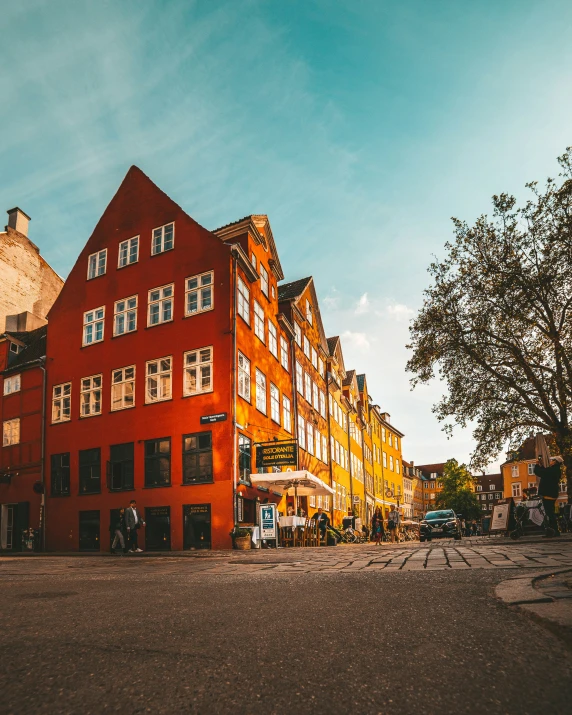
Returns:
<point x="299" y="483"/>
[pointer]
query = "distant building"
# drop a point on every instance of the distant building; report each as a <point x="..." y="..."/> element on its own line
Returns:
<point x="432" y="483"/>
<point x="489" y="491"/>
<point x="415" y="475"/>
<point x="29" y="284"/>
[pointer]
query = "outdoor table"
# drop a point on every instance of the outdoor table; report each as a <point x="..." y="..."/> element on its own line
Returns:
<point x="292" y="522"/>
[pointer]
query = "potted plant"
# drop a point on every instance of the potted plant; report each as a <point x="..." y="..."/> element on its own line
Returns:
<point x="241" y="538"/>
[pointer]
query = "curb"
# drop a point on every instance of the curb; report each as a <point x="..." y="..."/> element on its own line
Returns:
<point x="552" y="613"/>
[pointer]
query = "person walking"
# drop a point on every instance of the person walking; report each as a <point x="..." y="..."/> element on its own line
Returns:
<point x="550" y="476"/>
<point x="133" y="522"/>
<point x="118" y="530"/>
<point x="393" y="524"/>
<point x="377" y="525"/>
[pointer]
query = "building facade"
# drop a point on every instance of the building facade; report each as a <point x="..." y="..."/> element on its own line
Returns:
<point x="489" y="491"/>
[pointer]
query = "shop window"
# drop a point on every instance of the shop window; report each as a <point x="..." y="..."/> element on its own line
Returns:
<point x="90" y="471"/>
<point x="197" y="458"/>
<point x="60" y="474"/>
<point x="158" y="462"/>
<point x="158" y="528"/>
<point x="121" y="467"/>
<point x="196" y="526"/>
<point x="89" y="531"/>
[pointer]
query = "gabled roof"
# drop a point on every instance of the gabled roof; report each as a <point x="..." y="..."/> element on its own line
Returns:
<point x="332" y="342"/>
<point x="294" y="289"/>
<point x="431" y="468"/>
<point x="258" y="226"/>
<point x="350" y="374"/>
<point x="35" y="347"/>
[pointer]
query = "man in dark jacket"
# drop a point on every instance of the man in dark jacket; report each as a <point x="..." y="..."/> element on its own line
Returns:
<point x="322" y="522"/>
<point x="133" y="523"/>
<point x="550" y="477"/>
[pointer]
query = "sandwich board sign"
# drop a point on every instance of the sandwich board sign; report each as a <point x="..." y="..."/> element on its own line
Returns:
<point x="500" y="517"/>
<point x="268" y="521"/>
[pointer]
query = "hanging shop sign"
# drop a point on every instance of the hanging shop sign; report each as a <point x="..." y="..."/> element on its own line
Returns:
<point x="209" y="419"/>
<point x="276" y="454"/>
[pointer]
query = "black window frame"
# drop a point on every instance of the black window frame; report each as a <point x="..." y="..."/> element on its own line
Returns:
<point x="192" y="458"/>
<point x="155" y="458"/>
<point x="121" y="467"/>
<point x="60" y="475"/>
<point x="89" y="471"/>
<point x="244" y="459"/>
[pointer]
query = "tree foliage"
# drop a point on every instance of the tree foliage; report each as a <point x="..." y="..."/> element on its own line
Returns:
<point x="496" y="323"/>
<point x="457" y="492"/>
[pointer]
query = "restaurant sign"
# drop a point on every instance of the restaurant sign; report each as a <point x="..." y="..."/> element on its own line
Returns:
<point x="277" y="454"/>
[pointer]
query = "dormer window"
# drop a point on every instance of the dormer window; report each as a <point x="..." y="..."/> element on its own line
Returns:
<point x="15" y="348"/>
<point x="163" y="239"/>
<point x="96" y="264"/>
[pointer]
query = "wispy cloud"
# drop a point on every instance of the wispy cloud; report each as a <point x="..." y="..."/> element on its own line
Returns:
<point x="362" y="306"/>
<point x="359" y="342"/>
<point x="399" y="312"/>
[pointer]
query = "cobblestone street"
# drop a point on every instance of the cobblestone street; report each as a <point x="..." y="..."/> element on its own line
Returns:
<point x="446" y="555"/>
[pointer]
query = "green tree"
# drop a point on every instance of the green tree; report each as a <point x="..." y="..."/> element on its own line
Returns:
<point x="457" y="492"/>
<point x="496" y="324"/>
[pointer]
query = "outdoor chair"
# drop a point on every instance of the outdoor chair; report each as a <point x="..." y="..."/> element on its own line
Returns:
<point x="287" y="536"/>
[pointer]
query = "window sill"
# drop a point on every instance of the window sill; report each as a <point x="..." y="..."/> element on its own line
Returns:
<point x="157" y="486"/>
<point x="122" y="335"/>
<point x="127" y="489"/>
<point x="59" y="496"/>
<point x="155" y="402"/>
<point x="244" y="321"/>
<point x="89" y="345"/>
<point x="198" y="312"/>
<point x="196" y="484"/>
<point x="60" y="422"/>
<point x="160" y="253"/>
<point x="86" y="417"/>
<point x="88" y="494"/>
<point x="122" y="409"/>
<point x="133" y="263"/>
<point x="246" y="399"/>
<point x="156" y="325"/>
<point x="198" y="394"/>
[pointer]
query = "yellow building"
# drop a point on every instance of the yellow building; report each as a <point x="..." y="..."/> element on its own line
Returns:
<point x="364" y="409"/>
<point x="338" y="409"/>
<point x="356" y="427"/>
<point x="518" y="471"/>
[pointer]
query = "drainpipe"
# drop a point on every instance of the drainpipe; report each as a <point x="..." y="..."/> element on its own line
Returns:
<point x="234" y="400"/>
<point x="294" y="395"/>
<point x="330" y="460"/>
<point x="43" y="459"/>
<point x="350" y="455"/>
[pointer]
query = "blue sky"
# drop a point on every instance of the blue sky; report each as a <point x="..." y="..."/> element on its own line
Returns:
<point x="358" y="127"/>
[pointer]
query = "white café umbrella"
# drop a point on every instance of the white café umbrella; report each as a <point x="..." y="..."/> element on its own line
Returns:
<point x="298" y="483"/>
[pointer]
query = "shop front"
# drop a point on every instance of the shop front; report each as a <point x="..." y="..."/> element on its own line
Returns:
<point x="196" y="526"/>
<point x="157" y="528"/>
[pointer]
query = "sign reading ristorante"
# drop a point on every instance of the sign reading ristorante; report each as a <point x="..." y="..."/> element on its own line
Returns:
<point x="276" y="454"/>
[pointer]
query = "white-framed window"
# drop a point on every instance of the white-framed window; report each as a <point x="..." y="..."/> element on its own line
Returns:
<point x="243" y="300"/>
<point x="259" y="321"/>
<point x="198" y="371"/>
<point x="299" y="378"/>
<point x="301" y="432"/>
<point x="321" y="367"/>
<point x="273" y="291"/>
<point x="160" y="305"/>
<point x="159" y="375"/>
<point x="272" y="339"/>
<point x="128" y="252"/>
<point x="317" y="444"/>
<point x="15" y="348"/>
<point x="312" y="499"/>
<point x="309" y="438"/>
<point x="286" y="413"/>
<point x="323" y="404"/>
<point x="490" y="496"/>
<point x="125" y="315"/>
<point x="12" y="384"/>
<point x="309" y="316"/>
<point x="516" y="491"/>
<point x="263" y="280"/>
<point x="479" y="488"/>
<point x="61" y="402"/>
<point x="531" y="466"/>
<point x="308" y="387"/>
<point x="396" y="442"/>
<point x="324" y="449"/>
<point x="314" y="358"/>
<point x="397" y="467"/>
<point x="90" y="396"/>
<point x="93" y="323"/>
<point x="306" y="347"/>
<point x="284" y="361"/>
<point x="391" y="439"/>
<point x="315" y="396"/>
<point x="298" y="333"/>
<point x="383" y="433"/>
<point x="492" y="487"/>
<point x="199" y="294"/>
<point x="253" y="261"/>
<point x="274" y="403"/>
<point x="163" y="239"/>
<point x="123" y="388"/>
<point x="96" y="264"/>
<point x="498" y="495"/>
<point x="514" y="470"/>
<point x="260" y="391"/>
<point x="391" y="463"/>
<point x="243" y="376"/>
<point x="385" y="460"/>
<point x="11" y="432"/>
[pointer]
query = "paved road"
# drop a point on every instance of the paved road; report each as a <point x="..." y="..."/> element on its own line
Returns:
<point x="278" y="632"/>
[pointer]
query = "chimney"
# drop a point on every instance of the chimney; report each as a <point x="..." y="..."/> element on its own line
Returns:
<point x="19" y="221"/>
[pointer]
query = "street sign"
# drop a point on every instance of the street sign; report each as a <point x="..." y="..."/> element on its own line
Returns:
<point x="209" y="419"/>
<point x="268" y="521"/>
<point x="276" y="454"/>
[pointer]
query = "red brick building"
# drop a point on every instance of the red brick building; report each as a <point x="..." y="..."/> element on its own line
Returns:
<point x="168" y="360"/>
<point x="22" y="375"/>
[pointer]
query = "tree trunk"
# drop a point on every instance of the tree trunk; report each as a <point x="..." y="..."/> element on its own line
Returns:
<point x="564" y="443"/>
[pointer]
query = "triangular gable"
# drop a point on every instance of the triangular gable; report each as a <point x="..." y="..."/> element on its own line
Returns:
<point x="258" y="226"/>
<point x="305" y="284"/>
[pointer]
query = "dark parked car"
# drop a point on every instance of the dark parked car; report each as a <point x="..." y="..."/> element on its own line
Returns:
<point x="440" y="524"/>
